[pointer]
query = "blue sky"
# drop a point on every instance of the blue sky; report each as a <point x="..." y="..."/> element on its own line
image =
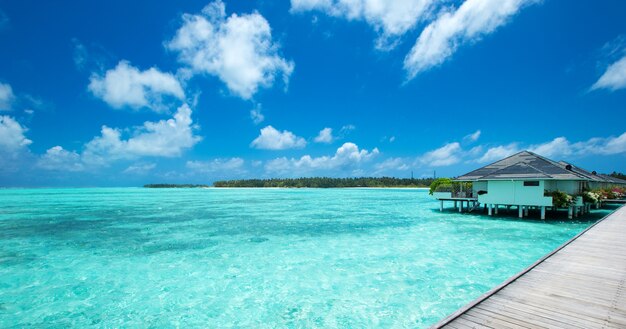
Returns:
<point x="123" y="93"/>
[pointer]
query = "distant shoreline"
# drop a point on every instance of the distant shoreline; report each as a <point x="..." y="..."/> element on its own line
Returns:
<point x="293" y="188"/>
<point x="328" y="182"/>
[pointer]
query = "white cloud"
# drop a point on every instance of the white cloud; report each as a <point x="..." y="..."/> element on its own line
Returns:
<point x="472" y="137"/>
<point x="472" y="20"/>
<point x="272" y="139"/>
<point x="125" y="85"/>
<point x="348" y="156"/>
<point x="614" y="77"/>
<point x="325" y="136"/>
<point x="232" y="165"/>
<point x="238" y="49"/>
<point x="389" y="18"/>
<point x="391" y="164"/>
<point x="602" y="146"/>
<point x="614" y="145"/>
<point x="6" y="97"/>
<point x="57" y="158"/>
<point x="498" y="152"/>
<point x="165" y="138"/>
<point x="560" y="147"/>
<point x="446" y="155"/>
<point x="256" y="115"/>
<point x="557" y="147"/>
<point x="139" y="169"/>
<point x="12" y="138"/>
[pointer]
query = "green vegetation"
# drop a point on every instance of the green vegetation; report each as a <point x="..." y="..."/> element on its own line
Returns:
<point x="618" y="175"/>
<point x="327" y="182"/>
<point x="447" y="185"/>
<point x="560" y="199"/>
<point x="440" y="185"/>
<point x="611" y="193"/>
<point x="174" y="185"/>
<point x="591" y="197"/>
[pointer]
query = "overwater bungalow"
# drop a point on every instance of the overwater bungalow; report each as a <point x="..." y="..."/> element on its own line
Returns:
<point x="526" y="181"/>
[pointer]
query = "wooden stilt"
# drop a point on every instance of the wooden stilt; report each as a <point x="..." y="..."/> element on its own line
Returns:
<point x="543" y="212"/>
<point x="570" y="212"/>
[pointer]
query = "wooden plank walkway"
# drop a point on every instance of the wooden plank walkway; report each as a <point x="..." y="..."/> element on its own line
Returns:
<point x="582" y="284"/>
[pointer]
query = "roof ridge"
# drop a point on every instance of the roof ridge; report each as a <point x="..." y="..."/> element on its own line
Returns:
<point x="557" y="164"/>
<point x="516" y="164"/>
<point x="493" y="163"/>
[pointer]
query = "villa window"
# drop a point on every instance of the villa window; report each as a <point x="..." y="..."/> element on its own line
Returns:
<point x="531" y="183"/>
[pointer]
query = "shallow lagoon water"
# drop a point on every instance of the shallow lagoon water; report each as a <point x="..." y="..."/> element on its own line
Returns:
<point x="252" y="258"/>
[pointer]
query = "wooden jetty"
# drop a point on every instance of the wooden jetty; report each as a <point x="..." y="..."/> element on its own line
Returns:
<point x="581" y="284"/>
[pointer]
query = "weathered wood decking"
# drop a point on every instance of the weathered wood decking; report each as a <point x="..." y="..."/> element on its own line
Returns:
<point x="582" y="284"/>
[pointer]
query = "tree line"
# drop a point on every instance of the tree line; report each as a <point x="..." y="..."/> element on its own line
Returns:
<point x="174" y="185"/>
<point x="327" y="182"/>
<point x="618" y="175"/>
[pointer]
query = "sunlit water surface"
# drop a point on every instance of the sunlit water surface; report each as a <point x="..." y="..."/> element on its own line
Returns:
<point x="252" y="258"/>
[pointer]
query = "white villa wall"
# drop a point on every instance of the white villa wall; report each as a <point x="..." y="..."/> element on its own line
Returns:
<point x="570" y="187"/>
<point x="479" y="186"/>
<point x="515" y="193"/>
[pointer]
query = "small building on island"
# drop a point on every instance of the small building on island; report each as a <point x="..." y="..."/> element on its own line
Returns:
<point x="526" y="181"/>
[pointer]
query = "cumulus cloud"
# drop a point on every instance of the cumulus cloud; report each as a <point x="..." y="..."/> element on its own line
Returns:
<point x="446" y="155"/>
<point x="614" y="77"/>
<point x="325" y="136"/>
<point x="391" y="165"/>
<point x="498" y="152"/>
<point x="12" y="136"/>
<point x="472" y="137"/>
<point x="139" y="168"/>
<point x="389" y="18"/>
<point x="256" y="115"/>
<point x="125" y="85"/>
<point x="6" y="97"/>
<point x="557" y="147"/>
<point x="226" y="166"/>
<point x="272" y="139"/>
<point x="347" y="157"/>
<point x="560" y="146"/>
<point x="165" y="138"/>
<point x="57" y="158"/>
<point x="238" y="49"/>
<point x="471" y="21"/>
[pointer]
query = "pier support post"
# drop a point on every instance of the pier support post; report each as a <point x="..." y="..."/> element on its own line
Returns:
<point x="520" y="210"/>
<point x="570" y="212"/>
<point x="440" y="205"/>
<point x="496" y="208"/>
<point x="461" y="206"/>
<point x="489" y="209"/>
<point x="543" y="212"/>
<point x="455" y="204"/>
<point x="526" y="211"/>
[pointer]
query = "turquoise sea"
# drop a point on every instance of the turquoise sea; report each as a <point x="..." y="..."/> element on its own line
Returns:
<point x="252" y="258"/>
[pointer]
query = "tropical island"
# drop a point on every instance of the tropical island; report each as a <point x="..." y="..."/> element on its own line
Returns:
<point x="175" y="186"/>
<point x="327" y="182"/>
